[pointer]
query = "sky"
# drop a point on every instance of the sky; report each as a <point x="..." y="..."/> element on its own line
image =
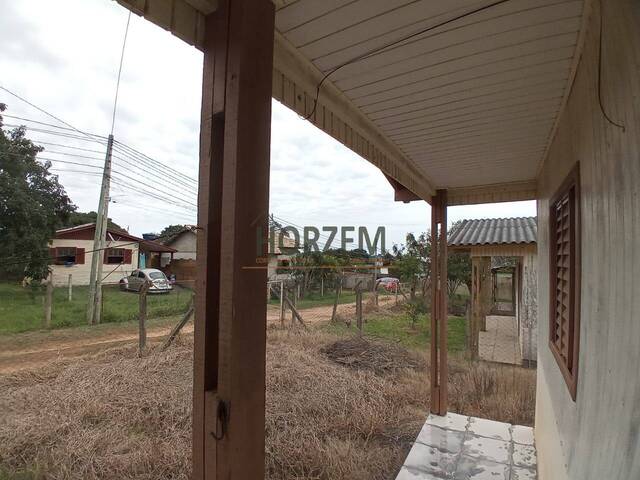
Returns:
<point x="63" y="57"/>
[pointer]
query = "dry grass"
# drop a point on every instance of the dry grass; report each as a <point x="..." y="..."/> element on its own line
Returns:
<point x="114" y="416"/>
<point x="335" y="410"/>
<point x="362" y="353"/>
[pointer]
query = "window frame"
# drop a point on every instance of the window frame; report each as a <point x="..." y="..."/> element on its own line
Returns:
<point x="570" y="187"/>
<point x="108" y="256"/>
<point x="61" y="261"/>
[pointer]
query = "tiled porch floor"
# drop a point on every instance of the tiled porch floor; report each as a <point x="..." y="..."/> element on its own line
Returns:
<point x="456" y="447"/>
<point x="500" y="342"/>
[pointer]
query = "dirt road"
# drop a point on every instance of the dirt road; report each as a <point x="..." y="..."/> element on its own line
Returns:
<point x="31" y="350"/>
<point x="34" y="349"/>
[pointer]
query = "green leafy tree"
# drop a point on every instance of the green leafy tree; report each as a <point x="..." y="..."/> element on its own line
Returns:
<point x="168" y="232"/>
<point x="33" y="205"/>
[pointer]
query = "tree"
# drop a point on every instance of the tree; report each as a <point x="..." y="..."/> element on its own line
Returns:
<point x="33" y="205"/>
<point x="458" y="267"/>
<point x="168" y="232"/>
<point x="81" y="218"/>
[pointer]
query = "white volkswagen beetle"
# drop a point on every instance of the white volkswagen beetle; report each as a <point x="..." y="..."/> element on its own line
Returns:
<point x="156" y="279"/>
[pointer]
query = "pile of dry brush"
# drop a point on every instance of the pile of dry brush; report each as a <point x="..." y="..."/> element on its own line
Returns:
<point x="336" y="409"/>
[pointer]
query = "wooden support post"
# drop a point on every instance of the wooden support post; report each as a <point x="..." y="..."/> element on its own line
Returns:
<point x="481" y="288"/>
<point x="70" y="288"/>
<point x="439" y="368"/>
<point x="48" y="302"/>
<point x="233" y="205"/>
<point x="142" y="319"/>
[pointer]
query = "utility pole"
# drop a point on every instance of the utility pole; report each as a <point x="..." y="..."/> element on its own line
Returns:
<point x="99" y="241"/>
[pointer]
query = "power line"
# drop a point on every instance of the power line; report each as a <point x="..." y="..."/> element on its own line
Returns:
<point x="42" y="110"/>
<point x="377" y="50"/>
<point x="68" y="146"/>
<point x="115" y="101"/>
<point x="136" y="153"/>
<point x="93" y="138"/>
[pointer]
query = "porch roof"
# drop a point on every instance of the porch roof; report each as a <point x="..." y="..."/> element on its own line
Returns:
<point x="462" y="95"/>
<point x="494" y="231"/>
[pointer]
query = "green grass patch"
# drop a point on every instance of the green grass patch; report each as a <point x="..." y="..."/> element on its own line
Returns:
<point x="22" y="309"/>
<point x="314" y="299"/>
<point x="399" y="328"/>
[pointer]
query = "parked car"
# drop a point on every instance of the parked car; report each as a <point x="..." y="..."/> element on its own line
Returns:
<point x="157" y="280"/>
<point x="389" y="283"/>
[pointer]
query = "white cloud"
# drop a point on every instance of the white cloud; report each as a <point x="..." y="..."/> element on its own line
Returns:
<point x="64" y="57"/>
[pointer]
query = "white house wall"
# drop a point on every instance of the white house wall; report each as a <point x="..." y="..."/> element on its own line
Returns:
<point x="81" y="273"/>
<point x="527" y="309"/>
<point x="598" y="436"/>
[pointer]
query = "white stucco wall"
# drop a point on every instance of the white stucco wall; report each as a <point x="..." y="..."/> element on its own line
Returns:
<point x="80" y="273"/>
<point x="597" y="437"/>
<point x="186" y="246"/>
<point x="528" y="308"/>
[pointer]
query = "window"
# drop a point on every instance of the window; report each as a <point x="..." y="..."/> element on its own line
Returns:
<point x="564" y="262"/>
<point x="65" y="255"/>
<point x="114" y="255"/>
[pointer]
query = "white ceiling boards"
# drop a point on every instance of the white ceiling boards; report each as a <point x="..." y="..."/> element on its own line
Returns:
<point x="462" y="94"/>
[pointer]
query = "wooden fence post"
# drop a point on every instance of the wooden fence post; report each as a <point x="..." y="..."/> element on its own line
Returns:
<point x="397" y="288"/>
<point x="335" y="302"/>
<point x="142" y="319"/>
<point x="359" y="310"/>
<point x="176" y="329"/>
<point x="70" y="288"/>
<point x="282" y="303"/>
<point x="48" y="301"/>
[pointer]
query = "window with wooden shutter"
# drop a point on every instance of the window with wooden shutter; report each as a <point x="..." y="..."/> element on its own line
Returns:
<point x="564" y="295"/>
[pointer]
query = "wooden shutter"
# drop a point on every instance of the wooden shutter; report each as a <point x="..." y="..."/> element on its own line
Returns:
<point x="53" y="255"/>
<point x="79" y="256"/>
<point x="127" y="256"/>
<point x="564" y="263"/>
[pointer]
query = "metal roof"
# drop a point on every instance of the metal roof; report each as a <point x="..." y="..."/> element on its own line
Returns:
<point x="494" y="231"/>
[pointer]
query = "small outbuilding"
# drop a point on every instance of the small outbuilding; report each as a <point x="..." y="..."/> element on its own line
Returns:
<point x="504" y="286"/>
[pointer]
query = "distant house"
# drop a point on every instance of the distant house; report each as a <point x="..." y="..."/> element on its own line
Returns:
<point x="184" y="243"/>
<point x="494" y="239"/>
<point x="71" y="251"/>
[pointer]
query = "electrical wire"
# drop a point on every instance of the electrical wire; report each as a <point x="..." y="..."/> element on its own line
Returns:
<point x="376" y="50"/>
<point x="604" y="113"/>
<point x="42" y="110"/>
<point x="87" y="138"/>
<point x="115" y="101"/>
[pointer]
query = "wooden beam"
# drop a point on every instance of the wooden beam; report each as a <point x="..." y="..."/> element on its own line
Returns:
<point x="401" y="193"/>
<point x="206" y="7"/>
<point x="502" y="192"/>
<point x="439" y="304"/>
<point x="233" y="200"/>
